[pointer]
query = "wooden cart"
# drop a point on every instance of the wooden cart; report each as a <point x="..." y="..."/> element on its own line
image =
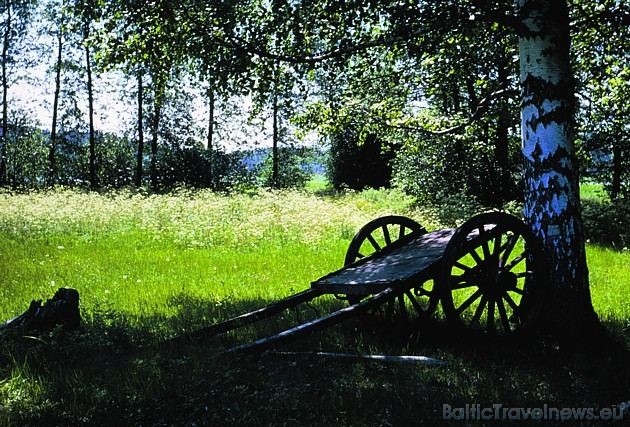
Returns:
<point x="489" y="276"/>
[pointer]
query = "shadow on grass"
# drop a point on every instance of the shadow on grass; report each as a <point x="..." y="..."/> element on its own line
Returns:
<point x="115" y="372"/>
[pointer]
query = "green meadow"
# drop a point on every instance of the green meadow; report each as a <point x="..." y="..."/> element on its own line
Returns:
<point x="153" y="267"/>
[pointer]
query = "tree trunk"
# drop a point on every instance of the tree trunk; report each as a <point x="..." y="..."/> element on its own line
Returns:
<point x="5" y="101"/>
<point x="617" y="165"/>
<point x="501" y="148"/>
<point x="52" y="167"/>
<point x="552" y="203"/>
<point x="210" y="147"/>
<point x="93" y="183"/>
<point x="155" y="126"/>
<point x="274" y="174"/>
<point x="140" y="152"/>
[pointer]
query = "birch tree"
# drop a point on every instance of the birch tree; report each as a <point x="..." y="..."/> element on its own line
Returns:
<point x="15" y="16"/>
<point x="59" y="21"/>
<point x="552" y="202"/>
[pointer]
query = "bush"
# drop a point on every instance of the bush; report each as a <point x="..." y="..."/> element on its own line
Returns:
<point x="292" y="169"/>
<point x="192" y="165"/>
<point x="432" y="168"/>
<point x="607" y="223"/>
<point x="356" y="165"/>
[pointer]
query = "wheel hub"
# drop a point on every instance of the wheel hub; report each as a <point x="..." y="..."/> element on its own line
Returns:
<point x="496" y="283"/>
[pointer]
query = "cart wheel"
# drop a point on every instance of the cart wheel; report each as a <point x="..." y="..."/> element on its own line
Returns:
<point x="493" y="277"/>
<point x="377" y="235"/>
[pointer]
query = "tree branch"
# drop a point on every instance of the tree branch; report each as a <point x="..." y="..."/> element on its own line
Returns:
<point x="240" y="43"/>
<point x="480" y="110"/>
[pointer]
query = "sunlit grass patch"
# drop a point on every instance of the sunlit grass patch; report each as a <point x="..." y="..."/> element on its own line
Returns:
<point x="609" y="272"/>
<point x="593" y="191"/>
<point x="150" y="268"/>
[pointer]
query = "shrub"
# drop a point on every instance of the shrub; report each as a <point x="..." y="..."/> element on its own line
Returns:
<point x="434" y="167"/>
<point x="292" y="169"/>
<point x="356" y="165"/>
<point x="607" y="223"/>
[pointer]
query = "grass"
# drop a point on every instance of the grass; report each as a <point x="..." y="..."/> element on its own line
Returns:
<point x="317" y="183"/>
<point x="152" y="267"/>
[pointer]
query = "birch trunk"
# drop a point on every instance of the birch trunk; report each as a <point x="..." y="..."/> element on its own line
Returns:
<point x="92" y="136"/>
<point x="552" y="202"/>
<point x="52" y="162"/>
<point x="274" y="149"/>
<point x="140" y="151"/>
<point x="501" y="148"/>
<point x="210" y="146"/>
<point x="5" y="93"/>
<point x="158" y="103"/>
<point x="617" y="164"/>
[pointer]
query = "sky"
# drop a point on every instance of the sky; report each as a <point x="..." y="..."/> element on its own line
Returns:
<point x="116" y="112"/>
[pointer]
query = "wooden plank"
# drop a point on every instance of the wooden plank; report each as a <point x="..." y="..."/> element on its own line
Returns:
<point x="401" y="265"/>
<point x="317" y="324"/>
<point x="259" y="314"/>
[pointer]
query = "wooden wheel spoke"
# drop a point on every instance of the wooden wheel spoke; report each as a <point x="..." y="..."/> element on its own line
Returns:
<point x="461" y="266"/>
<point x="527" y="274"/>
<point x="517" y="290"/>
<point x="373" y="242"/>
<point x="484" y="243"/>
<point x="469" y="301"/>
<point x="515" y="261"/>
<point x="462" y="285"/>
<point x="414" y="302"/>
<point x="497" y="246"/>
<point x="490" y="316"/>
<point x="476" y="257"/>
<point x="511" y="302"/>
<point x="388" y="239"/>
<point x="360" y="255"/>
<point x="479" y="311"/>
<point x="469" y="274"/>
<point x="401" y="233"/>
<point x="509" y="247"/>
<point x="504" y="319"/>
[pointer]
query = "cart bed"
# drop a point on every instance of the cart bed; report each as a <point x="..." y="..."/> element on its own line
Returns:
<point x="412" y="261"/>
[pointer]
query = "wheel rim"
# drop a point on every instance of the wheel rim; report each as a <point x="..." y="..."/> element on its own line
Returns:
<point x="493" y="276"/>
<point x="379" y="234"/>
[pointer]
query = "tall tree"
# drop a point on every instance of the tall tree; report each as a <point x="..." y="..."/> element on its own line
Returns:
<point x="211" y="125"/>
<point x="552" y="198"/>
<point x="159" y="93"/>
<point x="59" y="39"/>
<point x="14" y="24"/>
<point x="275" y="129"/>
<point x="140" y="130"/>
<point x="144" y="36"/>
<point x="86" y="13"/>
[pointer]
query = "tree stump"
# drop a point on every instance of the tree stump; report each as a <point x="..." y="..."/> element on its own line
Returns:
<point x="61" y="310"/>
